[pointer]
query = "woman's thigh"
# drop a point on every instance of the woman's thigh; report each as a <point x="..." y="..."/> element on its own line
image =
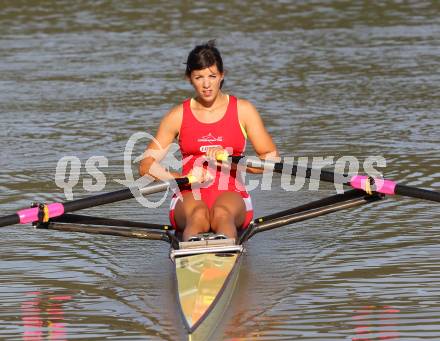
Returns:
<point x="188" y="208"/>
<point x="231" y="204"/>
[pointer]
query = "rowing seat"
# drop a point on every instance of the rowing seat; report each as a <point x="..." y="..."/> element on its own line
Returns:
<point x="207" y="244"/>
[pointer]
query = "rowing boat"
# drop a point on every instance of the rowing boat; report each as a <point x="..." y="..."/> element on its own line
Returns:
<point x="206" y="271"/>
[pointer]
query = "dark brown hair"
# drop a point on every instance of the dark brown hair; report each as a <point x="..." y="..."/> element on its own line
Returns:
<point x="203" y="56"/>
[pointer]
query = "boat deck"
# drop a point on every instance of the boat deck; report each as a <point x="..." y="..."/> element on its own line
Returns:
<point x="206" y="274"/>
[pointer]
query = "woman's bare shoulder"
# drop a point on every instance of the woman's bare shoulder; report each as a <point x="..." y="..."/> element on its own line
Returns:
<point x="175" y="113"/>
<point x="173" y="118"/>
<point x="245" y="104"/>
<point x="246" y="110"/>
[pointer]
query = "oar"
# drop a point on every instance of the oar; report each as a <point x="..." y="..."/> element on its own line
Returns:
<point x="363" y="182"/>
<point x="30" y="215"/>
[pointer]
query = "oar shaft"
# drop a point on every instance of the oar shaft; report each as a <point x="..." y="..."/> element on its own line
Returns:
<point x="419" y="193"/>
<point x="56" y="209"/>
<point x="11" y="219"/>
<point x="306" y="172"/>
<point x="107" y="198"/>
<point x="362" y="182"/>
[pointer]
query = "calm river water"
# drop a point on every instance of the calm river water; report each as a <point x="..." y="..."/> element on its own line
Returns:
<point x="330" y="78"/>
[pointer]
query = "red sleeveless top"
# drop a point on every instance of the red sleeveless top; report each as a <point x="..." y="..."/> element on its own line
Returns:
<point x="196" y="137"/>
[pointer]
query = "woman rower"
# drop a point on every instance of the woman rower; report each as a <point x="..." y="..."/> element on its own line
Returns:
<point x="208" y="125"/>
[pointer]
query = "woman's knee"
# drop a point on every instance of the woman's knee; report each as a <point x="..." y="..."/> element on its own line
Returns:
<point x="221" y="213"/>
<point x="200" y="214"/>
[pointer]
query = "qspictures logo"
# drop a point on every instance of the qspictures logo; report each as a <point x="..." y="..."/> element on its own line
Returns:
<point x="69" y="169"/>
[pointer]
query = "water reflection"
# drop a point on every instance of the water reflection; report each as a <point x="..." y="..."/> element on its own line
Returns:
<point x="376" y="323"/>
<point x="43" y="316"/>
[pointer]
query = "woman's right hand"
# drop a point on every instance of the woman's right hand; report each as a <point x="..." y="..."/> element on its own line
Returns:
<point x="201" y="174"/>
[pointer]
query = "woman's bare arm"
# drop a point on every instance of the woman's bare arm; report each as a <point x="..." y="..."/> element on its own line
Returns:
<point x="158" y="148"/>
<point x="256" y="131"/>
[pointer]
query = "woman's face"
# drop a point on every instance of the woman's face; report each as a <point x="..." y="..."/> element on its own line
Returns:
<point x="206" y="82"/>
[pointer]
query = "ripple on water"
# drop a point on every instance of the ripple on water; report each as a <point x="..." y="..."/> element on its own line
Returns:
<point x="329" y="78"/>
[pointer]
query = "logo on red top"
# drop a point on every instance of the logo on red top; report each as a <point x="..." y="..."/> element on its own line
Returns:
<point x="210" y="138"/>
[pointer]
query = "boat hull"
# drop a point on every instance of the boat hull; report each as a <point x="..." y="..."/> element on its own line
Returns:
<point x="205" y="285"/>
